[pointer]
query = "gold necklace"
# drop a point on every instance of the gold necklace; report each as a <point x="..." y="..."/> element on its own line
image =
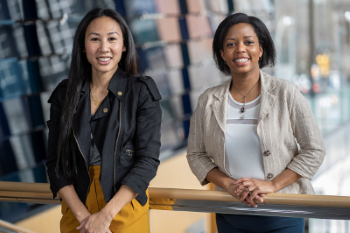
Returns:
<point x="97" y="101"/>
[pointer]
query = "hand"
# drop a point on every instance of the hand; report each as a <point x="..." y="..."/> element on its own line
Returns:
<point x="95" y="223"/>
<point x="82" y="217"/>
<point x="231" y="189"/>
<point x="251" y="189"/>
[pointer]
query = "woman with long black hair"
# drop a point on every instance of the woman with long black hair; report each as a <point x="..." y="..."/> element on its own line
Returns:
<point x="104" y="131"/>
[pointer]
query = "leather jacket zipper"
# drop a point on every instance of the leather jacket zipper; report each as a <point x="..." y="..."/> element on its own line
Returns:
<point x="116" y="145"/>
<point x="85" y="165"/>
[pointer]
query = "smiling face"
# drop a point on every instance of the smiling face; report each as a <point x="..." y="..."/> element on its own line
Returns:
<point x="104" y="45"/>
<point x="241" y="50"/>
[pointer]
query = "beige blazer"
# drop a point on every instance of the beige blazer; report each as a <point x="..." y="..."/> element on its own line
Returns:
<point x="284" y="118"/>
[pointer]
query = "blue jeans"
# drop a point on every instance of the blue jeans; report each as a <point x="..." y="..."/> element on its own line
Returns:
<point x="228" y="223"/>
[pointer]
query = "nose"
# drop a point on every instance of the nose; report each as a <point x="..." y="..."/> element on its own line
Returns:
<point x="104" y="48"/>
<point x="241" y="48"/>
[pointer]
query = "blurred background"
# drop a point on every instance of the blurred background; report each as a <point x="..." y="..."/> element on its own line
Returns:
<point x="173" y="38"/>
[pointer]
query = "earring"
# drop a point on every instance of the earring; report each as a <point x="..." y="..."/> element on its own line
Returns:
<point x="225" y="62"/>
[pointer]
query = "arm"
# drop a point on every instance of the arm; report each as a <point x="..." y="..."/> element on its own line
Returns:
<point x="308" y="136"/>
<point x="146" y="141"/>
<point x="198" y="159"/>
<point x="70" y="197"/>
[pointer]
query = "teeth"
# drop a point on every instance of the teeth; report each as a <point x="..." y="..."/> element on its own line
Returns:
<point x="241" y="60"/>
<point x="104" y="59"/>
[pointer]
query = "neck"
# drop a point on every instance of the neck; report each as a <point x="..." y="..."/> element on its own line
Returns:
<point x="244" y="82"/>
<point x="100" y="80"/>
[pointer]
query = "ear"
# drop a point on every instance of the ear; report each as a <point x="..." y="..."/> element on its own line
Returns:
<point x="261" y="50"/>
<point x="124" y="49"/>
<point x="222" y="54"/>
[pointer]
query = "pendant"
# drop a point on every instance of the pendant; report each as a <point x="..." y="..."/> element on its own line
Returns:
<point x="242" y="110"/>
<point x="97" y="103"/>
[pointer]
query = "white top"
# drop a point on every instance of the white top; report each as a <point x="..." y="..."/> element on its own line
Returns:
<point x="242" y="145"/>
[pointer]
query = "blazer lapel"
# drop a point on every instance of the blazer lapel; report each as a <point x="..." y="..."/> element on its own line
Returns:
<point x="266" y="96"/>
<point x="219" y="105"/>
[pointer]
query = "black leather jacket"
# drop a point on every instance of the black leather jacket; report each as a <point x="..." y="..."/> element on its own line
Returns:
<point x="126" y="129"/>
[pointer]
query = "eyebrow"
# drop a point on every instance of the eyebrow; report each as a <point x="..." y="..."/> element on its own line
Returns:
<point x="97" y="34"/>
<point x="235" y="39"/>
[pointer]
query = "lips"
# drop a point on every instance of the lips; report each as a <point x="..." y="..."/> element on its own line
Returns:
<point x="104" y="60"/>
<point x="241" y="61"/>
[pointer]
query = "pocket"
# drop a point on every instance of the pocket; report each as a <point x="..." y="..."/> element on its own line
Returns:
<point x="129" y="152"/>
<point x="128" y="157"/>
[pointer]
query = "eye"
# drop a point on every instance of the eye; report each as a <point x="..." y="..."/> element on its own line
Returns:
<point x="94" y="39"/>
<point x="250" y="42"/>
<point x="230" y="44"/>
<point x="112" y="38"/>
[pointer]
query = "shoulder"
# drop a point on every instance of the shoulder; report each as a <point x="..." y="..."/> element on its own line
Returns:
<point x="281" y="87"/>
<point x="148" y="85"/>
<point x="209" y="93"/>
<point x="59" y="91"/>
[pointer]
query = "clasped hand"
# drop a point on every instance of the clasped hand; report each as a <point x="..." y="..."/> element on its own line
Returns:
<point x="247" y="190"/>
<point x="95" y="223"/>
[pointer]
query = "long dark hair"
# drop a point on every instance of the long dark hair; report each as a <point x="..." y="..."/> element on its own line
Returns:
<point x="80" y="70"/>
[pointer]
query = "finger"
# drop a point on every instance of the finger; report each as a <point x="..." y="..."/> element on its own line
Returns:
<point x="240" y="189"/>
<point x="81" y="225"/>
<point x="247" y="184"/>
<point x="259" y="199"/>
<point x="240" y="180"/>
<point x="254" y="195"/>
<point x="244" y="194"/>
<point x="246" y="203"/>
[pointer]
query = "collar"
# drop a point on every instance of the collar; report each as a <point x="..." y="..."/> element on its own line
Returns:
<point x="116" y="85"/>
<point x="267" y="84"/>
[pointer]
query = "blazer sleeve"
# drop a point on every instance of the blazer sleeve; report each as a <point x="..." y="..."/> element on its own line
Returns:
<point x="147" y="138"/>
<point x="308" y="136"/>
<point x="198" y="159"/>
<point x="56" y="182"/>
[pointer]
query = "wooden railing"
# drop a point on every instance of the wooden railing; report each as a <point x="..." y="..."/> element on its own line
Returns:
<point x="294" y="205"/>
<point x="14" y="228"/>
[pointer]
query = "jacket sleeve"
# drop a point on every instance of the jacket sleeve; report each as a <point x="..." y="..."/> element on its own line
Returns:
<point x="56" y="183"/>
<point x="198" y="159"/>
<point x="147" y="139"/>
<point x="308" y="136"/>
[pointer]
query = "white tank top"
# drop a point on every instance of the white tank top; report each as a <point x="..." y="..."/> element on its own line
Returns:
<point x="242" y="145"/>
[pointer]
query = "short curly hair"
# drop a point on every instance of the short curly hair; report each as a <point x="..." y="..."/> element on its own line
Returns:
<point x="263" y="34"/>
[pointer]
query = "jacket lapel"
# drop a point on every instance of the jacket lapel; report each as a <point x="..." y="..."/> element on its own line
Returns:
<point x="219" y="105"/>
<point x="266" y="96"/>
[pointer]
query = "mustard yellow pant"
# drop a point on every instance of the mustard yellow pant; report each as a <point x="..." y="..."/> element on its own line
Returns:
<point x="133" y="218"/>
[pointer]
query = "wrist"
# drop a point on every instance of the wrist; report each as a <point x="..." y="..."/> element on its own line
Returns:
<point x="274" y="187"/>
<point x="227" y="183"/>
<point x="81" y="215"/>
<point x="109" y="212"/>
